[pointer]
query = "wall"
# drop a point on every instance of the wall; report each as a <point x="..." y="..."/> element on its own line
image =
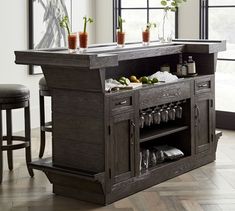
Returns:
<point x="14" y="36"/>
<point x="83" y="8"/>
<point x="189" y="20"/>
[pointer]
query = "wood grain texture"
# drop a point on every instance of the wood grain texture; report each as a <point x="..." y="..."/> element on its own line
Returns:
<point x="210" y="187"/>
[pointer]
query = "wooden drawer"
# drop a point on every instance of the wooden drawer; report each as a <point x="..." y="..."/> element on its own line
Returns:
<point x="121" y="103"/>
<point x="158" y="95"/>
<point x="203" y="85"/>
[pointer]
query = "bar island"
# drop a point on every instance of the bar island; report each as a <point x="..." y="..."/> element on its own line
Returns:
<point x="99" y="144"/>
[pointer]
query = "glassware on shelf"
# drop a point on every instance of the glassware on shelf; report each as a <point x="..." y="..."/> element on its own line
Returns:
<point x="148" y="118"/>
<point x="178" y="111"/>
<point x="145" y="159"/>
<point x="157" y="116"/>
<point x="142" y="119"/>
<point x="171" y="112"/>
<point x="164" y="114"/>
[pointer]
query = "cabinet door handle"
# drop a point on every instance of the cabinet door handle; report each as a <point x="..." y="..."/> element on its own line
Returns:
<point x="203" y="85"/>
<point x="121" y="103"/>
<point x="197" y="114"/>
<point x="132" y="132"/>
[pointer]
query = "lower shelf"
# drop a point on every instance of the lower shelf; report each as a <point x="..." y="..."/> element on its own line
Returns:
<point x="163" y="165"/>
<point x="46" y="164"/>
<point x="151" y="133"/>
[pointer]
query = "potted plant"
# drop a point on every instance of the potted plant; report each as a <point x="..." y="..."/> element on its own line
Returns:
<point x="120" y="33"/>
<point x="83" y="36"/>
<point x="165" y="30"/>
<point x="146" y="33"/>
<point x="72" y="37"/>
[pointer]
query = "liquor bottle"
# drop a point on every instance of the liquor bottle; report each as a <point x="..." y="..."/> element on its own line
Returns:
<point x="184" y="69"/>
<point x="179" y="66"/>
<point x="191" y="66"/>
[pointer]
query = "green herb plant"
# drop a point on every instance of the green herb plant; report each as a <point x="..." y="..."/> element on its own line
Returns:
<point x="120" y="24"/>
<point x="172" y="5"/>
<point x="64" y="23"/>
<point x="150" y="25"/>
<point x="87" y="20"/>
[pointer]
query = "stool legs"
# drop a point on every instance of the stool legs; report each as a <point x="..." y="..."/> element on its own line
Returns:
<point x="28" y="138"/>
<point x="9" y="139"/>
<point x="42" y="123"/>
<point x="1" y="140"/>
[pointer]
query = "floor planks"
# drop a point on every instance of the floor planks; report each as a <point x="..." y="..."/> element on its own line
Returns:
<point x="209" y="188"/>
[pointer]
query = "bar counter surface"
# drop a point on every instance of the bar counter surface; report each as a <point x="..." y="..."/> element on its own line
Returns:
<point x="97" y="142"/>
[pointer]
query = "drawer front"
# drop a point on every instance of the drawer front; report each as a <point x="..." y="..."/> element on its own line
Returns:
<point x="121" y="103"/>
<point x="164" y="94"/>
<point x="203" y="85"/>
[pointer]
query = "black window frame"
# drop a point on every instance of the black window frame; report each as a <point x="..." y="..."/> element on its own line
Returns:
<point x="117" y="11"/>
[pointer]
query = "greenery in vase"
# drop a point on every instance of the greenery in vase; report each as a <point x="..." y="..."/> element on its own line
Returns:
<point x="171" y="5"/>
<point x="150" y="25"/>
<point x="87" y="20"/>
<point x="64" y="23"/>
<point x="120" y="23"/>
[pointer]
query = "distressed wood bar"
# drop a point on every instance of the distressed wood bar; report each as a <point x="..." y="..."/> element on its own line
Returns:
<point x="96" y="135"/>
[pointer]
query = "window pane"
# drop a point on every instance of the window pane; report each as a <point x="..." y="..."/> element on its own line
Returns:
<point x="225" y="86"/>
<point x="221" y="2"/>
<point x="154" y="3"/>
<point x="135" y="20"/>
<point x="156" y="15"/>
<point x="218" y="29"/>
<point x="134" y="3"/>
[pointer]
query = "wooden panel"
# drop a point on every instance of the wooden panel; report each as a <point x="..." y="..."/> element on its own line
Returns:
<point x="164" y="94"/>
<point x="122" y="147"/>
<point x="78" y="130"/>
<point x="74" y="78"/>
<point x="203" y="127"/>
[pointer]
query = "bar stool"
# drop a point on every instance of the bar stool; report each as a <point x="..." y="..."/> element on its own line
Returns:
<point x="44" y="126"/>
<point x="14" y="96"/>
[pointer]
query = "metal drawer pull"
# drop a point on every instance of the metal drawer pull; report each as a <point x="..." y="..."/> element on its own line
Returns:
<point x="122" y="103"/>
<point x="203" y="85"/>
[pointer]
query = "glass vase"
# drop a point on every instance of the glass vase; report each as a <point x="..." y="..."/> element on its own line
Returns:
<point x="165" y="30"/>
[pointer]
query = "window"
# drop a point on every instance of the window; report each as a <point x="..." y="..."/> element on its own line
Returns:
<point x="218" y="23"/>
<point x="137" y="13"/>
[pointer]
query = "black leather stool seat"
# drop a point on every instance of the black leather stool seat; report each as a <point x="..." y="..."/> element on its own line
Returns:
<point x="43" y="85"/>
<point x="13" y="93"/>
<point x="14" y="96"/>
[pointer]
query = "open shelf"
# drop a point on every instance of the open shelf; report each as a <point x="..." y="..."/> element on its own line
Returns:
<point x="164" y="164"/>
<point x="152" y="133"/>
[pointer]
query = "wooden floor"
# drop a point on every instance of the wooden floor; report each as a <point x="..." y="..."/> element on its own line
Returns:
<point x="209" y="188"/>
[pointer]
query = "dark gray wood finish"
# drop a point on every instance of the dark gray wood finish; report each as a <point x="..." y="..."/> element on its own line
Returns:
<point x="96" y="135"/>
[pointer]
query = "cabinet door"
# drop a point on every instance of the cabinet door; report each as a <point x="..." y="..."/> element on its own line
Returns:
<point x="203" y="123"/>
<point x="122" y="147"/>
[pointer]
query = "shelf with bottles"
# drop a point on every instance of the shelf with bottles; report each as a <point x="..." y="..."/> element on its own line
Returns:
<point x="164" y="150"/>
<point x="163" y="120"/>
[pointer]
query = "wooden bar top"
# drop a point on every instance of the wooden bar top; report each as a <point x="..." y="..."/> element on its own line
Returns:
<point x="108" y="55"/>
